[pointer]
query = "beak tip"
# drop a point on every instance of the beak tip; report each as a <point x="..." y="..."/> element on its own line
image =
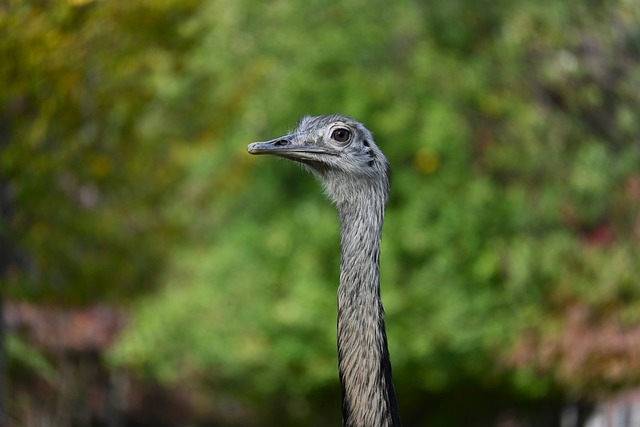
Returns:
<point x="252" y="149"/>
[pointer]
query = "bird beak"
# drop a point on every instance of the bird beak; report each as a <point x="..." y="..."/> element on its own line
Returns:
<point x="286" y="146"/>
<point x="270" y="147"/>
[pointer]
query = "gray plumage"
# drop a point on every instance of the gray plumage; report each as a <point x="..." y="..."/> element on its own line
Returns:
<point x="341" y="153"/>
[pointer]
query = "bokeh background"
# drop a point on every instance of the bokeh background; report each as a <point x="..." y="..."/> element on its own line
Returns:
<point x="154" y="274"/>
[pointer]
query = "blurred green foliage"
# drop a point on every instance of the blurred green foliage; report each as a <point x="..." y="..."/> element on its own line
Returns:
<point x="85" y="184"/>
<point x="511" y="129"/>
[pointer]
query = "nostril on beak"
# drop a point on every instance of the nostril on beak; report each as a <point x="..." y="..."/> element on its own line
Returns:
<point x="281" y="142"/>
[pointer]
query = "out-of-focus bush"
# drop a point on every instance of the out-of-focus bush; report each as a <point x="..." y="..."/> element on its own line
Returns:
<point x="82" y="186"/>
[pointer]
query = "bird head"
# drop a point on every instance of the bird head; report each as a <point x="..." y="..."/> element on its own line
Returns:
<point x="339" y="150"/>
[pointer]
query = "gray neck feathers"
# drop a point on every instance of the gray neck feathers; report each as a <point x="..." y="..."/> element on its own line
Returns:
<point x="368" y="395"/>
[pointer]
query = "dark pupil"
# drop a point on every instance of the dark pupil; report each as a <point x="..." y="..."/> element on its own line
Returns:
<point x="341" y="135"/>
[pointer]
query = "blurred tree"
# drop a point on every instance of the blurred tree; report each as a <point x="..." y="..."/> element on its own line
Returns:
<point x="83" y="190"/>
<point x="87" y="186"/>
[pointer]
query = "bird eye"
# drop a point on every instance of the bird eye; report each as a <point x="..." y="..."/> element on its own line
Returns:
<point x="341" y="135"/>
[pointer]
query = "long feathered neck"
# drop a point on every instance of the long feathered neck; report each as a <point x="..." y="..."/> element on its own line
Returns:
<point x="368" y="395"/>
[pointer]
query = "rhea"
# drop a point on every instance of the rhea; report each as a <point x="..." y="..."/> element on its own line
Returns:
<point x="341" y="153"/>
